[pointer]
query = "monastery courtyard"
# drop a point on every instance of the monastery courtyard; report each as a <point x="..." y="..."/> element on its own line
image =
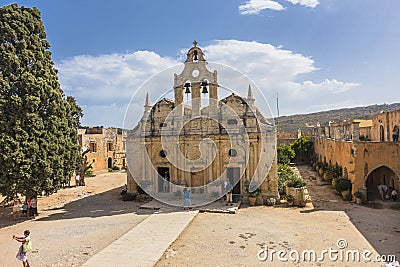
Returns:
<point x="76" y="223"/>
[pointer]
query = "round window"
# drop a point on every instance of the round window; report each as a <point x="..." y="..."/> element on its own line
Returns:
<point x="232" y="152"/>
<point x="163" y="153"/>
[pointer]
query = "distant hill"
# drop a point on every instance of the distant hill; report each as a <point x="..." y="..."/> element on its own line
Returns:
<point x="294" y="122"/>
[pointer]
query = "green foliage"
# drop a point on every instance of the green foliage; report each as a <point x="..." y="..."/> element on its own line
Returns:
<point x="342" y="184"/>
<point x="285" y="154"/>
<point x="296" y="182"/>
<point x="89" y="172"/>
<point x="287" y="177"/>
<point x="255" y="193"/>
<point x="38" y="138"/>
<point x="302" y="146"/>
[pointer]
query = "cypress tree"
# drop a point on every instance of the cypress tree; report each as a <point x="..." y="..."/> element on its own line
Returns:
<point x="38" y="137"/>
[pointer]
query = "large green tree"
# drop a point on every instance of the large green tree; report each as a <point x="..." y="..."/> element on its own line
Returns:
<point x="38" y="139"/>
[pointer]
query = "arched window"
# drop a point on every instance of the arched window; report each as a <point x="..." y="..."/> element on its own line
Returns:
<point x="381" y="133"/>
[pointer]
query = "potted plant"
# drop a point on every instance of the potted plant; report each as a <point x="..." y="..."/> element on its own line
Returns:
<point x="289" y="200"/>
<point x="358" y="197"/>
<point x="343" y="186"/>
<point x="253" y="196"/>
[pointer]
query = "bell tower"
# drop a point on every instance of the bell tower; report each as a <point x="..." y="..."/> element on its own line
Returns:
<point x="195" y="79"/>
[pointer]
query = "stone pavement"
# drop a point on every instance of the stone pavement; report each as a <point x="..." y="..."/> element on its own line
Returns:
<point x="145" y="244"/>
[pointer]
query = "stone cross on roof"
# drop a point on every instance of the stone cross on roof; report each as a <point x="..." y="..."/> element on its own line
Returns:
<point x="195" y="43"/>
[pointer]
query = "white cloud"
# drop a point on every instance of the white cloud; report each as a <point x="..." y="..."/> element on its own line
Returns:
<point x="104" y="85"/>
<point x="109" y="78"/>
<point x="307" y="3"/>
<point x="307" y="88"/>
<point x="256" y="6"/>
<point x="253" y="7"/>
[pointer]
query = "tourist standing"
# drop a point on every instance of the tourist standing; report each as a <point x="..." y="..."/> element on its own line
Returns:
<point x="25" y="209"/>
<point x="77" y="179"/>
<point x="26" y="245"/>
<point x="393" y="195"/>
<point x="186" y="194"/>
<point x="33" y="208"/>
<point x="395" y="133"/>
<point x="28" y="202"/>
<point x="228" y="188"/>
<point x="165" y="185"/>
<point x="16" y="208"/>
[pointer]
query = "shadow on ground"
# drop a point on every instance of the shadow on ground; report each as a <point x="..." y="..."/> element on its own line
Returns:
<point x="108" y="203"/>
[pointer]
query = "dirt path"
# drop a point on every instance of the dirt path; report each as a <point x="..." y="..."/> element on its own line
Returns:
<point x="73" y="223"/>
<point x="379" y="225"/>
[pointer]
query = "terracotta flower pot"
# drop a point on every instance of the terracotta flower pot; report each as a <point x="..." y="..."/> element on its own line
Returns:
<point x="252" y="201"/>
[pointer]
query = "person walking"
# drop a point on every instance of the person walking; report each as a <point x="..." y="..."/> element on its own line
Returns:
<point x="26" y="245"/>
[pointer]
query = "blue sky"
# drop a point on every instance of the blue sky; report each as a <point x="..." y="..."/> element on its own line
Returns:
<point x="317" y="54"/>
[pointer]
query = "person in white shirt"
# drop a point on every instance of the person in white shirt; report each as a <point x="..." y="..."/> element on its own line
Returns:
<point x="382" y="189"/>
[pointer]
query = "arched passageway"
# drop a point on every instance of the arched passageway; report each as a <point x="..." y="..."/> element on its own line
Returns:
<point x="380" y="175"/>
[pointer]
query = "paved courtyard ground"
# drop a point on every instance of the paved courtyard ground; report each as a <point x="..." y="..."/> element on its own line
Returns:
<point x="76" y="223"/>
<point x="226" y="240"/>
<point x="73" y="225"/>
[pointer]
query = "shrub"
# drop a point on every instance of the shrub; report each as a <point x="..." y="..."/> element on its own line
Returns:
<point x="285" y="154"/>
<point x="255" y="193"/>
<point x="89" y="173"/>
<point x="342" y="184"/>
<point x="296" y="182"/>
<point x="287" y="177"/>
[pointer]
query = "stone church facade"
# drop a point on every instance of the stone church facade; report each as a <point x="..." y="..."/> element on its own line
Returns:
<point x="193" y="146"/>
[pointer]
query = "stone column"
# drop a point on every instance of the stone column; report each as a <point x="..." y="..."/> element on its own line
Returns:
<point x="196" y="99"/>
<point x="178" y="94"/>
<point x="213" y="99"/>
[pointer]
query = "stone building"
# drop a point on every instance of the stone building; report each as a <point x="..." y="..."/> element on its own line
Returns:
<point x="106" y="147"/>
<point x="189" y="144"/>
<point x="368" y="162"/>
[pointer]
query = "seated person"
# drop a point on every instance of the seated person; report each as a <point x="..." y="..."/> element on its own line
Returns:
<point x="393" y="195"/>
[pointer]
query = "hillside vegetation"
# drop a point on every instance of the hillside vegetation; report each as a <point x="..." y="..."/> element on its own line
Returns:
<point x="302" y="121"/>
